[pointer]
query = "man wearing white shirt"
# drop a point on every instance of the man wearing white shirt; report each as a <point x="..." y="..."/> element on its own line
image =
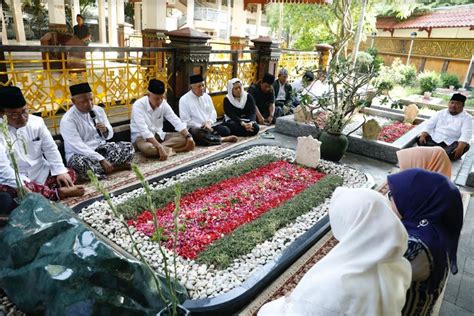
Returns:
<point x="38" y="159"/>
<point x="85" y="130"/>
<point x="197" y="111"/>
<point x="146" y="125"/>
<point x="450" y="129"/>
<point x="304" y="86"/>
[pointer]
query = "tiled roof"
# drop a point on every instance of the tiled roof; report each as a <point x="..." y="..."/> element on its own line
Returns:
<point x="459" y="17"/>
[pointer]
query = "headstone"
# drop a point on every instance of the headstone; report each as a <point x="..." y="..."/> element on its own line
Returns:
<point x="308" y="151"/>
<point x="371" y="129"/>
<point x="411" y="112"/>
<point x="299" y="115"/>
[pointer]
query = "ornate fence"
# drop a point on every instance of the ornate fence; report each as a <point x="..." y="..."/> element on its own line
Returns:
<point x="117" y="76"/>
<point x="296" y="62"/>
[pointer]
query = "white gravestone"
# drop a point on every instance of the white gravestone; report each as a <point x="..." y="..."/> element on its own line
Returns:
<point x="308" y="151"/>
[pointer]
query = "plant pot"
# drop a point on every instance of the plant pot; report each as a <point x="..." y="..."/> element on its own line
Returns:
<point x="180" y="309"/>
<point x="333" y="146"/>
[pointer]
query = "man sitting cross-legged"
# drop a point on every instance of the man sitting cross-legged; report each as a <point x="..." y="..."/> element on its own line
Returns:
<point x="197" y="111"/>
<point x="38" y="159"/>
<point x="450" y="129"/>
<point x="85" y="130"/>
<point x="146" y="125"/>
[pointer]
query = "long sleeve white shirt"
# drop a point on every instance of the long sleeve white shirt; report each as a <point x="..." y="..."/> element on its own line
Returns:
<point x="196" y="111"/>
<point x="146" y="122"/>
<point x="80" y="134"/>
<point x="41" y="159"/>
<point x="444" y="127"/>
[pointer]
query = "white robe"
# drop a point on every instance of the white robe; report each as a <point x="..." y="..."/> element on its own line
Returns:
<point x="365" y="274"/>
<point x="80" y="134"/>
<point x="196" y="111"/>
<point x="146" y="122"/>
<point x="41" y="159"/>
<point x="444" y="127"/>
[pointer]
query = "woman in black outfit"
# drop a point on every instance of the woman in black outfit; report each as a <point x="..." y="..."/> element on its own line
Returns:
<point x="239" y="108"/>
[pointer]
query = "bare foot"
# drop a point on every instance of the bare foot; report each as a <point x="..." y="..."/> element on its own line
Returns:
<point x="65" y="192"/>
<point x="230" y="139"/>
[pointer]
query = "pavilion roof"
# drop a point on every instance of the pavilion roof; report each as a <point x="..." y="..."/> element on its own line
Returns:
<point x="446" y="18"/>
<point x="247" y="2"/>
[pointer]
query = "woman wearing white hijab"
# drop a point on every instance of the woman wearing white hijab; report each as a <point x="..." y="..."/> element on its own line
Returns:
<point x="239" y="109"/>
<point x="365" y="274"/>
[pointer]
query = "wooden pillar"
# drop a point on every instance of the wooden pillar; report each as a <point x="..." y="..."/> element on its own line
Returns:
<point x="266" y="54"/>
<point x="192" y="57"/>
<point x="154" y="28"/>
<point x="15" y="7"/>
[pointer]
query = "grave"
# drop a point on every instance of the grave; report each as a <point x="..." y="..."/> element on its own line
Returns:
<point x="357" y="144"/>
<point x="218" y="287"/>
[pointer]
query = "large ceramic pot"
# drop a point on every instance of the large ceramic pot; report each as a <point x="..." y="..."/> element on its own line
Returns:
<point x="333" y="146"/>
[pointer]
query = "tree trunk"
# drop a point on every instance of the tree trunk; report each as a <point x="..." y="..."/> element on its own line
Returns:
<point x="360" y="29"/>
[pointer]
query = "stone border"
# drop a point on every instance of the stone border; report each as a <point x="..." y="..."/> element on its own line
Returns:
<point x="234" y="299"/>
<point x="357" y="144"/>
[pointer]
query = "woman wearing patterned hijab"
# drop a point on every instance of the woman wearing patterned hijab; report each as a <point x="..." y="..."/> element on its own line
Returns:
<point x="430" y="208"/>
<point x="365" y="273"/>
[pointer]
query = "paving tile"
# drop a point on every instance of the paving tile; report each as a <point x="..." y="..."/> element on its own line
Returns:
<point x="449" y="309"/>
<point x="465" y="297"/>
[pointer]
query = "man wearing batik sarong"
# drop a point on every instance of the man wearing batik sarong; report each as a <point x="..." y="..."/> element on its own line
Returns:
<point x="85" y="130"/>
<point x="38" y="159"/>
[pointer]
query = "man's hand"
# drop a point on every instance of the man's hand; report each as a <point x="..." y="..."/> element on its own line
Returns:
<point x="107" y="166"/>
<point x="248" y="127"/>
<point x="163" y="152"/>
<point x="64" y="180"/>
<point x="260" y="119"/>
<point x="269" y="120"/>
<point x="423" y="137"/>
<point x="102" y="128"/>
<point x="190" y="144"/>
<point x="459" y="150"/>
<point x="208" y="127"/>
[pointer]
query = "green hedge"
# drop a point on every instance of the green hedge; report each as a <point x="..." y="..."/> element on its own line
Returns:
<point x="241" y="241"/>
<point x="135" y="206"/>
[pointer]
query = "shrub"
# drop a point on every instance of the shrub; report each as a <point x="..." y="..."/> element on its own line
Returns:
<point x="378" y="61"/>
<point x="408" y="73"/>
<point x="450" y="80"/>
<point x="364" y="62"/>
<point x="429" y="81"/>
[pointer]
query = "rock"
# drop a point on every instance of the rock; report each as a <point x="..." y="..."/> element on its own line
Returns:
<point x="411" y="112"/>
<point x="308" y="151"/>
<point x="371" y="129"/>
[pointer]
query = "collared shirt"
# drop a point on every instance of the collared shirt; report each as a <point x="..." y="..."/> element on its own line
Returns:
<point x="41" y="158"/>
<point x="281" y="92"/>
<point x="196" y="111"/>
<point x="444" y="127"/>
<point x="146" y="122"/>
<point x="80" y="134"/>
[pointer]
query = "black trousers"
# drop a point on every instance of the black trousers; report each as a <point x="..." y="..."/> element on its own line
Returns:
<point x="206" y="138"/>
<point x="237" y="129"/>
<point x="449" y="149"/>
<point x="278" y="112"/>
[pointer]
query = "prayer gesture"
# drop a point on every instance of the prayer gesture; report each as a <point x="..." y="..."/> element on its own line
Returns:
<point x="208" y="127"/>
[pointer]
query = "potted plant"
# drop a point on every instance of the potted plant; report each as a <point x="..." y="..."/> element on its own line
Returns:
<point x="348" y="81"/>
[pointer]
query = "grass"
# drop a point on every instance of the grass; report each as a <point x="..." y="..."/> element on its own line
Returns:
<point x="241" y="241"/>
<point x="135" y="206"/>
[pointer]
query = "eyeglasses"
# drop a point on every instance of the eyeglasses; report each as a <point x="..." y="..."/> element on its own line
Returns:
<point x="390" y="196"/>
<point x="17" y="115"/>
